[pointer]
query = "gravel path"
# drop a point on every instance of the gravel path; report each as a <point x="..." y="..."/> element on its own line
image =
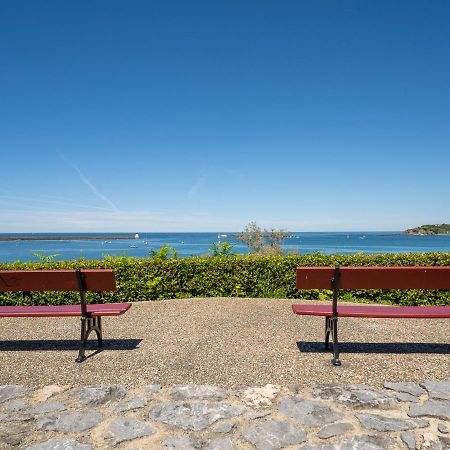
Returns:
<point x="222" y="341"/>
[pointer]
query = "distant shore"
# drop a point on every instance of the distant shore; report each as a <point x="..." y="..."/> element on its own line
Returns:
<point x="64" y="238"/>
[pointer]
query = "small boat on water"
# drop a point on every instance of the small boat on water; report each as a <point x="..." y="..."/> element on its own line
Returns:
<point x="133" y="246"/>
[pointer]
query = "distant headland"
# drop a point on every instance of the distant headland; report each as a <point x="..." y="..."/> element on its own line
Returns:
<point x="428" y="230"/>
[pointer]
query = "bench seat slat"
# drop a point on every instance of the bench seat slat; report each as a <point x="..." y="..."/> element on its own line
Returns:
<point x="377" y="311"/>
<point x="108" y="309"/>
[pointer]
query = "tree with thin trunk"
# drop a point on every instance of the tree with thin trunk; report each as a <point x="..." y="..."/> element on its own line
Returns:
<point x="262" y="241"/>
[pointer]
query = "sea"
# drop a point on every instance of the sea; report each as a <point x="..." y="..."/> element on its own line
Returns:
<point x="197" y="244"/>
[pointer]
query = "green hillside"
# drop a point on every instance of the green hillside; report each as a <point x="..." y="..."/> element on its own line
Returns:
<point x="443" y="228"/>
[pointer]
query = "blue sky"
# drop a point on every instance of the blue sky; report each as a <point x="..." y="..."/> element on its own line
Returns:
<point x="198" y="116"/>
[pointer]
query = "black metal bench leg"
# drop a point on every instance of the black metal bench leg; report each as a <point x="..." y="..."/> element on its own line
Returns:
<point x="336" y="361"/>
<point x="327" y="332"/>
<point x="89" y="324"/>
<point x="84" y="334"/>
<point x="98" y="330"/>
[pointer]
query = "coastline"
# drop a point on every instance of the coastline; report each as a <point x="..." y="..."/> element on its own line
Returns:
<point x="64" y="238"/>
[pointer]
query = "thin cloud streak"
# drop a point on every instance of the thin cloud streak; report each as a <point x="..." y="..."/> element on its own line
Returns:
<point x="24" y="201"/>
<point x="192" y="192"/>
<point x="93" y="189"/>
<point x="109" y="221"/>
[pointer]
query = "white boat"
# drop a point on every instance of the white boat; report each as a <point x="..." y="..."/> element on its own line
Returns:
<point x="136" y="236"/>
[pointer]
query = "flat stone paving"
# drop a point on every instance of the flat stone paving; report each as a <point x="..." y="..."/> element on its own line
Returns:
<point x="193" y="416"/>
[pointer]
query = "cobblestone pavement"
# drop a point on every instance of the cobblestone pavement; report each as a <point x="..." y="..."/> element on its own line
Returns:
<point x="190" y="416"/>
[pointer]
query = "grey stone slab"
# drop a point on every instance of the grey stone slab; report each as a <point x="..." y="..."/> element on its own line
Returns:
<point x="220" y="444"/>
<point x="409" y="439"/>
<point x="273" y="434"/>
<point x="100" y="394"/>
<point x="334" y="429"/>
<point x="179" y="443"/>
<point x="20" y="418"/>
<point x="60" y="444"/>
<point x="361" y="442"/>
<point x="134" y="403"/>
<point x="431" y="441"/>
<point x="10" y="391"/>
<point x="258" y="414"/>
<point x="198" y="392"/>
<point x="377" y="422"/>
<point x="193" y="416"/>
<point x="48" y="407"/>
<point x="406" y="387"/>
<point x="126" y="429"/>
<point x="439" y="390"/>
<point x="404" y="397"/>
<point x="311" y="413"/>
<point x="223" y="427"/>
<point x="152" y="388"/>
<point x="356" y="395"/>
<point x="431" y="408"/>
<point x="17" y="405"/>
<point x="13" y="433"/>
<point x="76" y="422"/>
<point x="442" y="428"/>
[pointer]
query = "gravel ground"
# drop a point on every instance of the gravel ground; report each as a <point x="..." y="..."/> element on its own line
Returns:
<point x="222" y="341"/>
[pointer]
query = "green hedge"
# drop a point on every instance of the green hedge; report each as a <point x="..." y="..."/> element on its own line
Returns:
<point x="238" y="276"/>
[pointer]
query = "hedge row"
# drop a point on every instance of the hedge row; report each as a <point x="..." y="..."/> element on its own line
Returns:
<point x="237" y="276"/>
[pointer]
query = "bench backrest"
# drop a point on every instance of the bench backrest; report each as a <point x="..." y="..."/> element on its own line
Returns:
<point x="56" y="280"/>
<point x="374" y="277"/>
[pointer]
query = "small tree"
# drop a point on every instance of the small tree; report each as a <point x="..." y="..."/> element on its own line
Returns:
<point x="165" y="252"/>
<point x="45" y="258"/>
<point x="221" y="249"/>
<point x="262" y="241"/>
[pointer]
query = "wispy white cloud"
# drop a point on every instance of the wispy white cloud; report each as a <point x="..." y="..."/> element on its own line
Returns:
<point x="32" y="202"/>
<point x="13" y="221"/>
<point x="93" y="189"/>
<point x="193" y="190"/>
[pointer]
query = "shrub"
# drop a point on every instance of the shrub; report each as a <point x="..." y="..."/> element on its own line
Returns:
<point x="231" y="276"/>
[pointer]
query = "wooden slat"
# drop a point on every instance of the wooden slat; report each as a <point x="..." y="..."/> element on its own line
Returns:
<point x="55" y="280"/>
<point x="375" y="277"/>
<point x="109" y="309"/>
<point x="377" y="311"/>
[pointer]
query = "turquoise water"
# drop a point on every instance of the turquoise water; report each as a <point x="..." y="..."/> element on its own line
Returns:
<point x="188" y="244"/>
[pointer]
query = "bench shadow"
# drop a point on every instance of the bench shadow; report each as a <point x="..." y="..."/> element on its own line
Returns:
<point x="377" y="347"/>
<point x="68" y="344"/>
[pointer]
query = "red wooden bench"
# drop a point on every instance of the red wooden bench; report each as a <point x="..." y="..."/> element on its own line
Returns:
<point x="337" y="278"/>
<point x="82" y="281"/>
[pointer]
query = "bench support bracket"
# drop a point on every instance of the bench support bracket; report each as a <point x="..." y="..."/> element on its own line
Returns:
<point x="331" y="323"/>
<point x="88" y="323"/>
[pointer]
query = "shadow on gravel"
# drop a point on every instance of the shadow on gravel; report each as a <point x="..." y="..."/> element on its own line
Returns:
<point x="72" y="345"/>
<point x="377" y="347"/>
